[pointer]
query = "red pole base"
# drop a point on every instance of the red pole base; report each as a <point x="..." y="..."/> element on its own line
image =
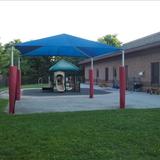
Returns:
<point x="12" y="88"/>
<point x="122" y="83"/>
<point x="91" y="83"/>
<point x="18" y="92"/>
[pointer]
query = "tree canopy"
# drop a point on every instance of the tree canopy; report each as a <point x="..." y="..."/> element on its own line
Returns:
<point x="5" y="51"/>
<point x="110" y="39"/>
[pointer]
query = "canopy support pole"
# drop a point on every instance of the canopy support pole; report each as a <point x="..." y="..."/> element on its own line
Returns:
<point x="12" y="84"/>
<point x="122" y="82"/>
<point x="18" y="93"/>
<point x="91" y="78"/>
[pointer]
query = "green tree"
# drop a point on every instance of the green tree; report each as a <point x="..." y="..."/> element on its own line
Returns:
<point x="34" y="68"/>
<point x="5" y="53"/>
<point x="69" y="59"/>
<point x="111" y="40"/>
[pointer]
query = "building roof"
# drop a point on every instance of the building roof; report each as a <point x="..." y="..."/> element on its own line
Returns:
<point x="63" y="65"/>
<point x="136" y="45"/>
<point x="153" y="38"/>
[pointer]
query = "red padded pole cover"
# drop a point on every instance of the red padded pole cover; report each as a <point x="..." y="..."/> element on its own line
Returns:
<point x="91" y="78"/>
<point x="18" y="92"/>
<point x="122" y="82"/>
<point x="12" y="88"/>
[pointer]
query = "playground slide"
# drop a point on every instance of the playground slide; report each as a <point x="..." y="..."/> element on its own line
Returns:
<point x="60" y="88"/>
<point x="59" y="78"/>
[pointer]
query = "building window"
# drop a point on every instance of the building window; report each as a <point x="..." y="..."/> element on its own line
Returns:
<point x="97" y="73"/>
<point x="88" y="73"/>
<point x="155" y="75"/>
<point x="114" y="73"/>
<point x="106" y="74"/>
<point x="126" y="69"/>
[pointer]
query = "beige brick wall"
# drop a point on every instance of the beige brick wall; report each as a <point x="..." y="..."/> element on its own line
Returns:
<point x="136" y="62"/>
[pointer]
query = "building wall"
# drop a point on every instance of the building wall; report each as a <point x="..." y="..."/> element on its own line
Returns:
<point x="136" y="62"/>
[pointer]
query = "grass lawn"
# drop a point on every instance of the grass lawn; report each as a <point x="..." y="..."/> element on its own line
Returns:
<point x="3" y="89"/>
<point x="26" y="86"/>
<point x="34" y="85"/>
<point x="92" y="135"/>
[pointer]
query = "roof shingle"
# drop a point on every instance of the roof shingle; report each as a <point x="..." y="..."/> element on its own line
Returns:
<point x="142" y="41"/>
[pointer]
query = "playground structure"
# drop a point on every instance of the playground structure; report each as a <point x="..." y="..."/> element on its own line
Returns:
<point x="59" y="81"/>
<point x="65" y="82"/>
<point x="64" y="77"/>
<point x="62" y="45"/>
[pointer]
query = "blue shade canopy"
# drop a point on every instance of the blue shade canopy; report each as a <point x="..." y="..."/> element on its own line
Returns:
<point x="63" y="65"/>
<point x="64" y="45"/>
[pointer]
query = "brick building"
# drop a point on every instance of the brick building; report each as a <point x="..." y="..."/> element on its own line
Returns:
<point x="142" y="62"/>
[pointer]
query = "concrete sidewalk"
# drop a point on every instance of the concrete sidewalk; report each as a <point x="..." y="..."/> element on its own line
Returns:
<point x="36" y="104"/>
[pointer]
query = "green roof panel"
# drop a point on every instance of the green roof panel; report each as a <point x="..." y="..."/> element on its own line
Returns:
<point x="63" y="65"/>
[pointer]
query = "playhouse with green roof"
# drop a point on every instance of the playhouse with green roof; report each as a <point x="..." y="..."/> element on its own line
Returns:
<point x="65" y="77"/>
